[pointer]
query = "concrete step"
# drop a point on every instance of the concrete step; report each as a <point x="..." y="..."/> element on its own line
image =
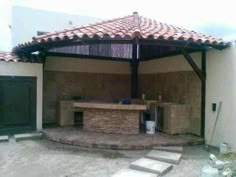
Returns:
<point x="179" y="149"/>
<point x="133" y="173"/>
<point x="151" y="166"/>
<point x="169" y="157"/>
<point x="4" y="138"/>
<point x="27" y="136"/>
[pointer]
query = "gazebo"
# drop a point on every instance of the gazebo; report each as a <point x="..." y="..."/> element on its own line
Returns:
<point x="133" y="39"/>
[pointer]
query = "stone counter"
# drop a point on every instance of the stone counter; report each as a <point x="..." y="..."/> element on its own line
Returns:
<point x="111" y="121"/>
<point x="105" y="117"/>
<point x="113" y="106"/>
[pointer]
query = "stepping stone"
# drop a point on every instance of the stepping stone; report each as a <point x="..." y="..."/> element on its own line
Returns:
<point x="4" y="138"/>
<point x="169" y="157"/>
<point x="133" y="173"/>
<point x="27" y="136"/>
<point x="151" y="166"/>
<point x="179" y="149"/>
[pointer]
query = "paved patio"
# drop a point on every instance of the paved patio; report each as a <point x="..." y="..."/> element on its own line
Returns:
<point x="78" y="137"/>
<point x="37" y="158"/>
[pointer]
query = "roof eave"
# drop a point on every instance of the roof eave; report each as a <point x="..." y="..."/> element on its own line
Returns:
<point x="38" y="46"/>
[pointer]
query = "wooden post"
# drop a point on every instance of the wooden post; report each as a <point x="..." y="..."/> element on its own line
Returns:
<point x="202" y="75"/>
<point x="203" y="94"/>
<point x="189" y="59"/>
<point x="134" y="70"/>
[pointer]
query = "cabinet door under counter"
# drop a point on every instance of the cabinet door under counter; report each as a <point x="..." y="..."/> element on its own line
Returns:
<point x="171" y="118"/>
<point x="176" y="118"/>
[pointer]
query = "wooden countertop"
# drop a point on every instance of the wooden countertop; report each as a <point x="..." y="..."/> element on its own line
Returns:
<point x="113" y="106"/>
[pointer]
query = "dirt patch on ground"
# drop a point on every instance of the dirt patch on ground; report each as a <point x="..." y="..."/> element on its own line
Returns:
<point x="229" y="156"/>
<point x="113" y="155"/>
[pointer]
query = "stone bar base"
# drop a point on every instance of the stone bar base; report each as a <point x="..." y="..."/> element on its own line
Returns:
<point x="111" y="121"/>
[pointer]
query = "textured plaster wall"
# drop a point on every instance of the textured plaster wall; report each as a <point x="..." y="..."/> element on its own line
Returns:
<point x="221" y="86"/>
<point x="27" y="69"/>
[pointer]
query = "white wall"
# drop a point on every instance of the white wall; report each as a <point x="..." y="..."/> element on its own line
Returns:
<point x="169" y="64"/>
<point x="163" y="65"/>
<point x="86" y="65"/>
<point x="27" y="69"/>
<point x="221" y="86"/>
<point x="27" y="21"/>
<point x="5" y="19"/>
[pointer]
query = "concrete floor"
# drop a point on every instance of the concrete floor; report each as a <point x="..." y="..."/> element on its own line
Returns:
<point x="37" y="158"/>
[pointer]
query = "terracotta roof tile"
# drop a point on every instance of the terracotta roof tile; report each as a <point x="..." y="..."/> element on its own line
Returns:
<point x="132" y="26"/>
<point x="9" y="57"/>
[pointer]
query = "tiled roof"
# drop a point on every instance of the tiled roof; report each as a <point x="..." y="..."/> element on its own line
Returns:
<point x="8" y="56"/>
<point x="128" y="27"/>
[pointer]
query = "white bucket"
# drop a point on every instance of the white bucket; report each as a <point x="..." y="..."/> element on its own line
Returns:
<point x="208" y="171"/>
<point x="224" y="148"/>
<point x="150" y="127"/>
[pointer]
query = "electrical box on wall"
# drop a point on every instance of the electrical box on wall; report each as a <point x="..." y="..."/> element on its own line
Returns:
<point x="213" y="107"/>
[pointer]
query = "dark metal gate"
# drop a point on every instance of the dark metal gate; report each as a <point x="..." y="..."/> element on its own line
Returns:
<point x="17" y="104"/>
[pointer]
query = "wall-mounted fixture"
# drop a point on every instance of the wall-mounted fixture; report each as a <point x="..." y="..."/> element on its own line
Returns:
<point x="213" y="107"/>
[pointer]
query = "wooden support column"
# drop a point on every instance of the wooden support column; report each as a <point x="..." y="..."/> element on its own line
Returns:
<point x="203" y="94"/>
<point x="202" y="75"/>
<point x="134" y="70"/>
<point x="193" y="64"/>
<point x="42" y="57"/>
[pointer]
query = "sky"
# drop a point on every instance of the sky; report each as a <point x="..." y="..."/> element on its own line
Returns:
<point x="214" y="17"/>
<point x="181" y="12"/>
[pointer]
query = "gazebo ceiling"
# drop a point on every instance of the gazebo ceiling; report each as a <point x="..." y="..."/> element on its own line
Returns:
<point x="124" y="29"/>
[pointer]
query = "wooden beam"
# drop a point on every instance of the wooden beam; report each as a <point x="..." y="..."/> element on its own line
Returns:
<point x="203" y="94"/>
<point x="182" y="44"/>
<point x="57" y="54"/>
<point x="170" y="43"/>
<point x="193" y="64"/>
<point x="42" y="57"/>
<point x="134" y="70"/>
